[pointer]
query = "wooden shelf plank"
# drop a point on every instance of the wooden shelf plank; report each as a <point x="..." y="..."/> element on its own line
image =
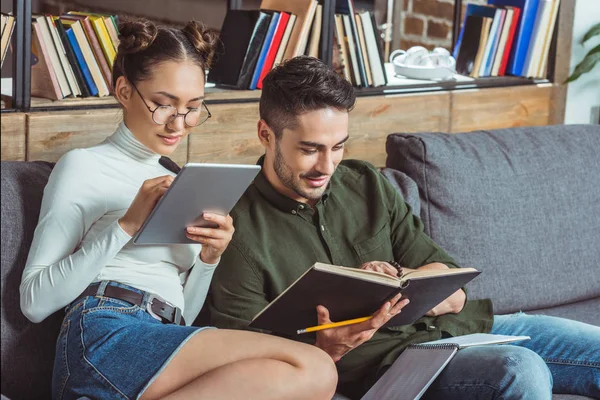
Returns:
<point x="51" y="134"/>
<point x="230" y="136"/>
<point x="13" y="136"/>
<point x="501" y="108"/>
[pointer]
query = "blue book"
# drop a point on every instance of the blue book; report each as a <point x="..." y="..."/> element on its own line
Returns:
<point x="82" y="64"/>
<point x="518" y="54"/>
<point x="477" y="10"/>
<point x="264" y="50"/>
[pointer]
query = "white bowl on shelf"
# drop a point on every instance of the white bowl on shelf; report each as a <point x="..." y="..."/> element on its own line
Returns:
<point x="397" y="59"/>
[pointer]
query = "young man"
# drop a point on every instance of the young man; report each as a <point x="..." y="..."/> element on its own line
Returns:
<point x="308" y="205"/>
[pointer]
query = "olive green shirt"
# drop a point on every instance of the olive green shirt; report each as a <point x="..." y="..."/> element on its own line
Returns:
<point x="359" y="218"/>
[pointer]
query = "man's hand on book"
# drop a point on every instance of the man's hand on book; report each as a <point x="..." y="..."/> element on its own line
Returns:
<point x="338" y="341"/>
<point x="453" y="304"/>
<point x="381" y="267"/>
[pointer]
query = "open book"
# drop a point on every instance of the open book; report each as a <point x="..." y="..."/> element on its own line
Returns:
<point x="420" y="364"/>
<point x="353" y="293"/>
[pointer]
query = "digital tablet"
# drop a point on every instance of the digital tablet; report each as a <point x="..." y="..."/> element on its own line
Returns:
<point x="198" y="188"/>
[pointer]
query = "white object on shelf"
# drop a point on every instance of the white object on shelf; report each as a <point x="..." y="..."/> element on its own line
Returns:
<point x="418" y="63"/>
<point x="399" y="80"/>
<point x="6" y="88"/>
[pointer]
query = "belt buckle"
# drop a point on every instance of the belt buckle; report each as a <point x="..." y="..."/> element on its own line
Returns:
<point x="176" y="317"/>
<point x="151" y="299"/>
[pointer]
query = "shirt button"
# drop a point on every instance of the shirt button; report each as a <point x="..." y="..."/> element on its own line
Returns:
<point x="431" y="328"/>
<point x="301" y="207"/>
<point x="323" y="228"/>
<point x="294" y="212"/>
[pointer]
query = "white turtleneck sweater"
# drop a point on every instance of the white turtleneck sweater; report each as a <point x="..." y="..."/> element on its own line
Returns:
<point x="79" y="241"/>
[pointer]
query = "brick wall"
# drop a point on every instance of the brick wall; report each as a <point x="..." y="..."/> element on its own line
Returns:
<point x="428" y="23"/>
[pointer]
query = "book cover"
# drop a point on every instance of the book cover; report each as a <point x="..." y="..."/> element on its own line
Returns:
<point x="85" y="70"/>
<point x="315" y="33"/>
<point x="469" y="48"/>
<point x="541" y="72"/>
<point x="352" y="51"/>
<point x="90" y="34"/>
<point x="495" y="33"/>
<point x="510" y="40"/>
<point x="363" y="49"/>
<point x="104" y="39"/>
<point x="7" y="31"/>
<point x="72" y="59"/>
<point x="353" y="293"/>
<point x="304" y="11"/>
<point x="342" y="42"/>
<point x="536" y="44"/>
<point x="377" y="68"/>
<point x="412" y="373"/>
<point x="274" y="46"/>
<point x="263" y="51"/>
<point x="43" y="77"/>
<point x="516" y="61"/>
<point x="235" y="46"/>
<point x="380" y="47"/>
<point x="88" y="54"/>
<point x="483" y="40"/>
<point x="47" y="43"/>
<point x="285" y="40"/>
<point x="347" y="7"/>
<point x="502" y="44"/>
<point x="62" y="57"/>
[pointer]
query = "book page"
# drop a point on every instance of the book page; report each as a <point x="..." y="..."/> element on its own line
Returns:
<point x="359" y="273"/>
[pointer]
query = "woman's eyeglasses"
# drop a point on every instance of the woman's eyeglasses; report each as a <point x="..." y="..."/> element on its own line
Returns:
<point x="163" y="115"/>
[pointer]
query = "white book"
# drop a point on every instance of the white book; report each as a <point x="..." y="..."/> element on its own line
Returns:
<point x="61" y="77"/>
<point x="372" y="50"/>
<point x="536" y="44"/>
<point x="352" y="49"/>
<point x="315" y="36"/>
<point x="479" y="339"/>
<point x="548" y="39"/>
<point x="284" y="40"/>
<point x="487" y="57"/>
<point x="62" y="56"/>
<point x="502" y="43"/>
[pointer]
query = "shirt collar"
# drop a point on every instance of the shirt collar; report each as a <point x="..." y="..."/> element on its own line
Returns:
<point x="124" y="140"/>
<point x="281" y="201"/>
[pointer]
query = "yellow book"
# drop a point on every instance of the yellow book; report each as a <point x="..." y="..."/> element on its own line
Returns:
<point x="103" y="36"/>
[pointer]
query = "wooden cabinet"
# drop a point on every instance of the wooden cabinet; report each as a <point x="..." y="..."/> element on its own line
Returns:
<point x="230" y="135"/>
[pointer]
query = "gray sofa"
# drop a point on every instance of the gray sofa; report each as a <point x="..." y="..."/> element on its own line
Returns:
<point x="522" y="205"/>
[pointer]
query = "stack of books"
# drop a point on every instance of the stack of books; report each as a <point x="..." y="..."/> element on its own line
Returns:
<point x="359" y="45"/>
<point x="73" y="55"/>
<point x="506" y="37"/>
<point x="7" y="28"/>
<point x="255" y="41"/>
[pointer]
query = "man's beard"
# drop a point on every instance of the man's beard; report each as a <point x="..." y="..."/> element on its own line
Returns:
<point x="286" y="176"/>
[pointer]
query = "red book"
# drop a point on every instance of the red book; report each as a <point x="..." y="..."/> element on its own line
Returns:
<point x="281" y="24"/>
<point x="509" y="40"/>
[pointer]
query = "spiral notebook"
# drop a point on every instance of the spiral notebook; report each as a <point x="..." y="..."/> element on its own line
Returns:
<point x="420" y="364"/>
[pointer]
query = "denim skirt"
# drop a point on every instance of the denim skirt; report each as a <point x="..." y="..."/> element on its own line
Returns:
<point x="110" y="349"/>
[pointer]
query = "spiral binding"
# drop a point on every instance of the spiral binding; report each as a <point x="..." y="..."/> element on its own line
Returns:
<point x="435" y="346"/>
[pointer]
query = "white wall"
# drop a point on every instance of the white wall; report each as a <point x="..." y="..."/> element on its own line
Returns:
<point x="584" y="94"/>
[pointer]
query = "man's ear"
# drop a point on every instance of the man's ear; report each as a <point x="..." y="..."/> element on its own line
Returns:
<point x="123" y="91"/>
<point x="265" y="134"/>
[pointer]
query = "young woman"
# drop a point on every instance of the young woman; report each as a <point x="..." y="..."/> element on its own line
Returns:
<point x="126" y="331"/>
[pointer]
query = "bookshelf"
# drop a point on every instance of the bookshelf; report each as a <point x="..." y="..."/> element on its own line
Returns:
<point x="40" y="129"/>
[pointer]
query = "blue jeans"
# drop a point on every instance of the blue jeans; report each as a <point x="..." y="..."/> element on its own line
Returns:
<point x="563" y="356"/>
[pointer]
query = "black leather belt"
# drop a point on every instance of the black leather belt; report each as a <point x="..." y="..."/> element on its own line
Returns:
<point x="156" y="307"/>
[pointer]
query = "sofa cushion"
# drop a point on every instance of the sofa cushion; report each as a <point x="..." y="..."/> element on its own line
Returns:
<point x="27" y="348"/>
<point x="521" y="204"/>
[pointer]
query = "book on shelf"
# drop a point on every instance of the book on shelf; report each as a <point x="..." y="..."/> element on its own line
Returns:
<point x="273" y="46"/>
<point x="517" y="41"/>
<point x="264" y="50"/>
<point x="417" y="367"/>
<point x="73" y="60"/>
<point x="304" y="10"/>
<point x="315" y="33"/>
<point x="363" y="49"/>
<point x="346" y="8"/>
<point x="7" y="28"/>
<point x="44" y="81"/>
<point x="350" y="293"/>
<point x="62" y="56"/>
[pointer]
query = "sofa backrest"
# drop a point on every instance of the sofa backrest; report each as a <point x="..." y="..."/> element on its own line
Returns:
<point x="520" y="204"/>
<point x="27" y="348"/>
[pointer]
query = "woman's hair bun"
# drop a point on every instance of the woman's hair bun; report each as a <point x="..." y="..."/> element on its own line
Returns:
<point x="136" y="35"/>
<point x="202" y="39"/>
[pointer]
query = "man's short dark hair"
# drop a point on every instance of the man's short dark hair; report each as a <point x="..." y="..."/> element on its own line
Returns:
<point x="300" y="85"/>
